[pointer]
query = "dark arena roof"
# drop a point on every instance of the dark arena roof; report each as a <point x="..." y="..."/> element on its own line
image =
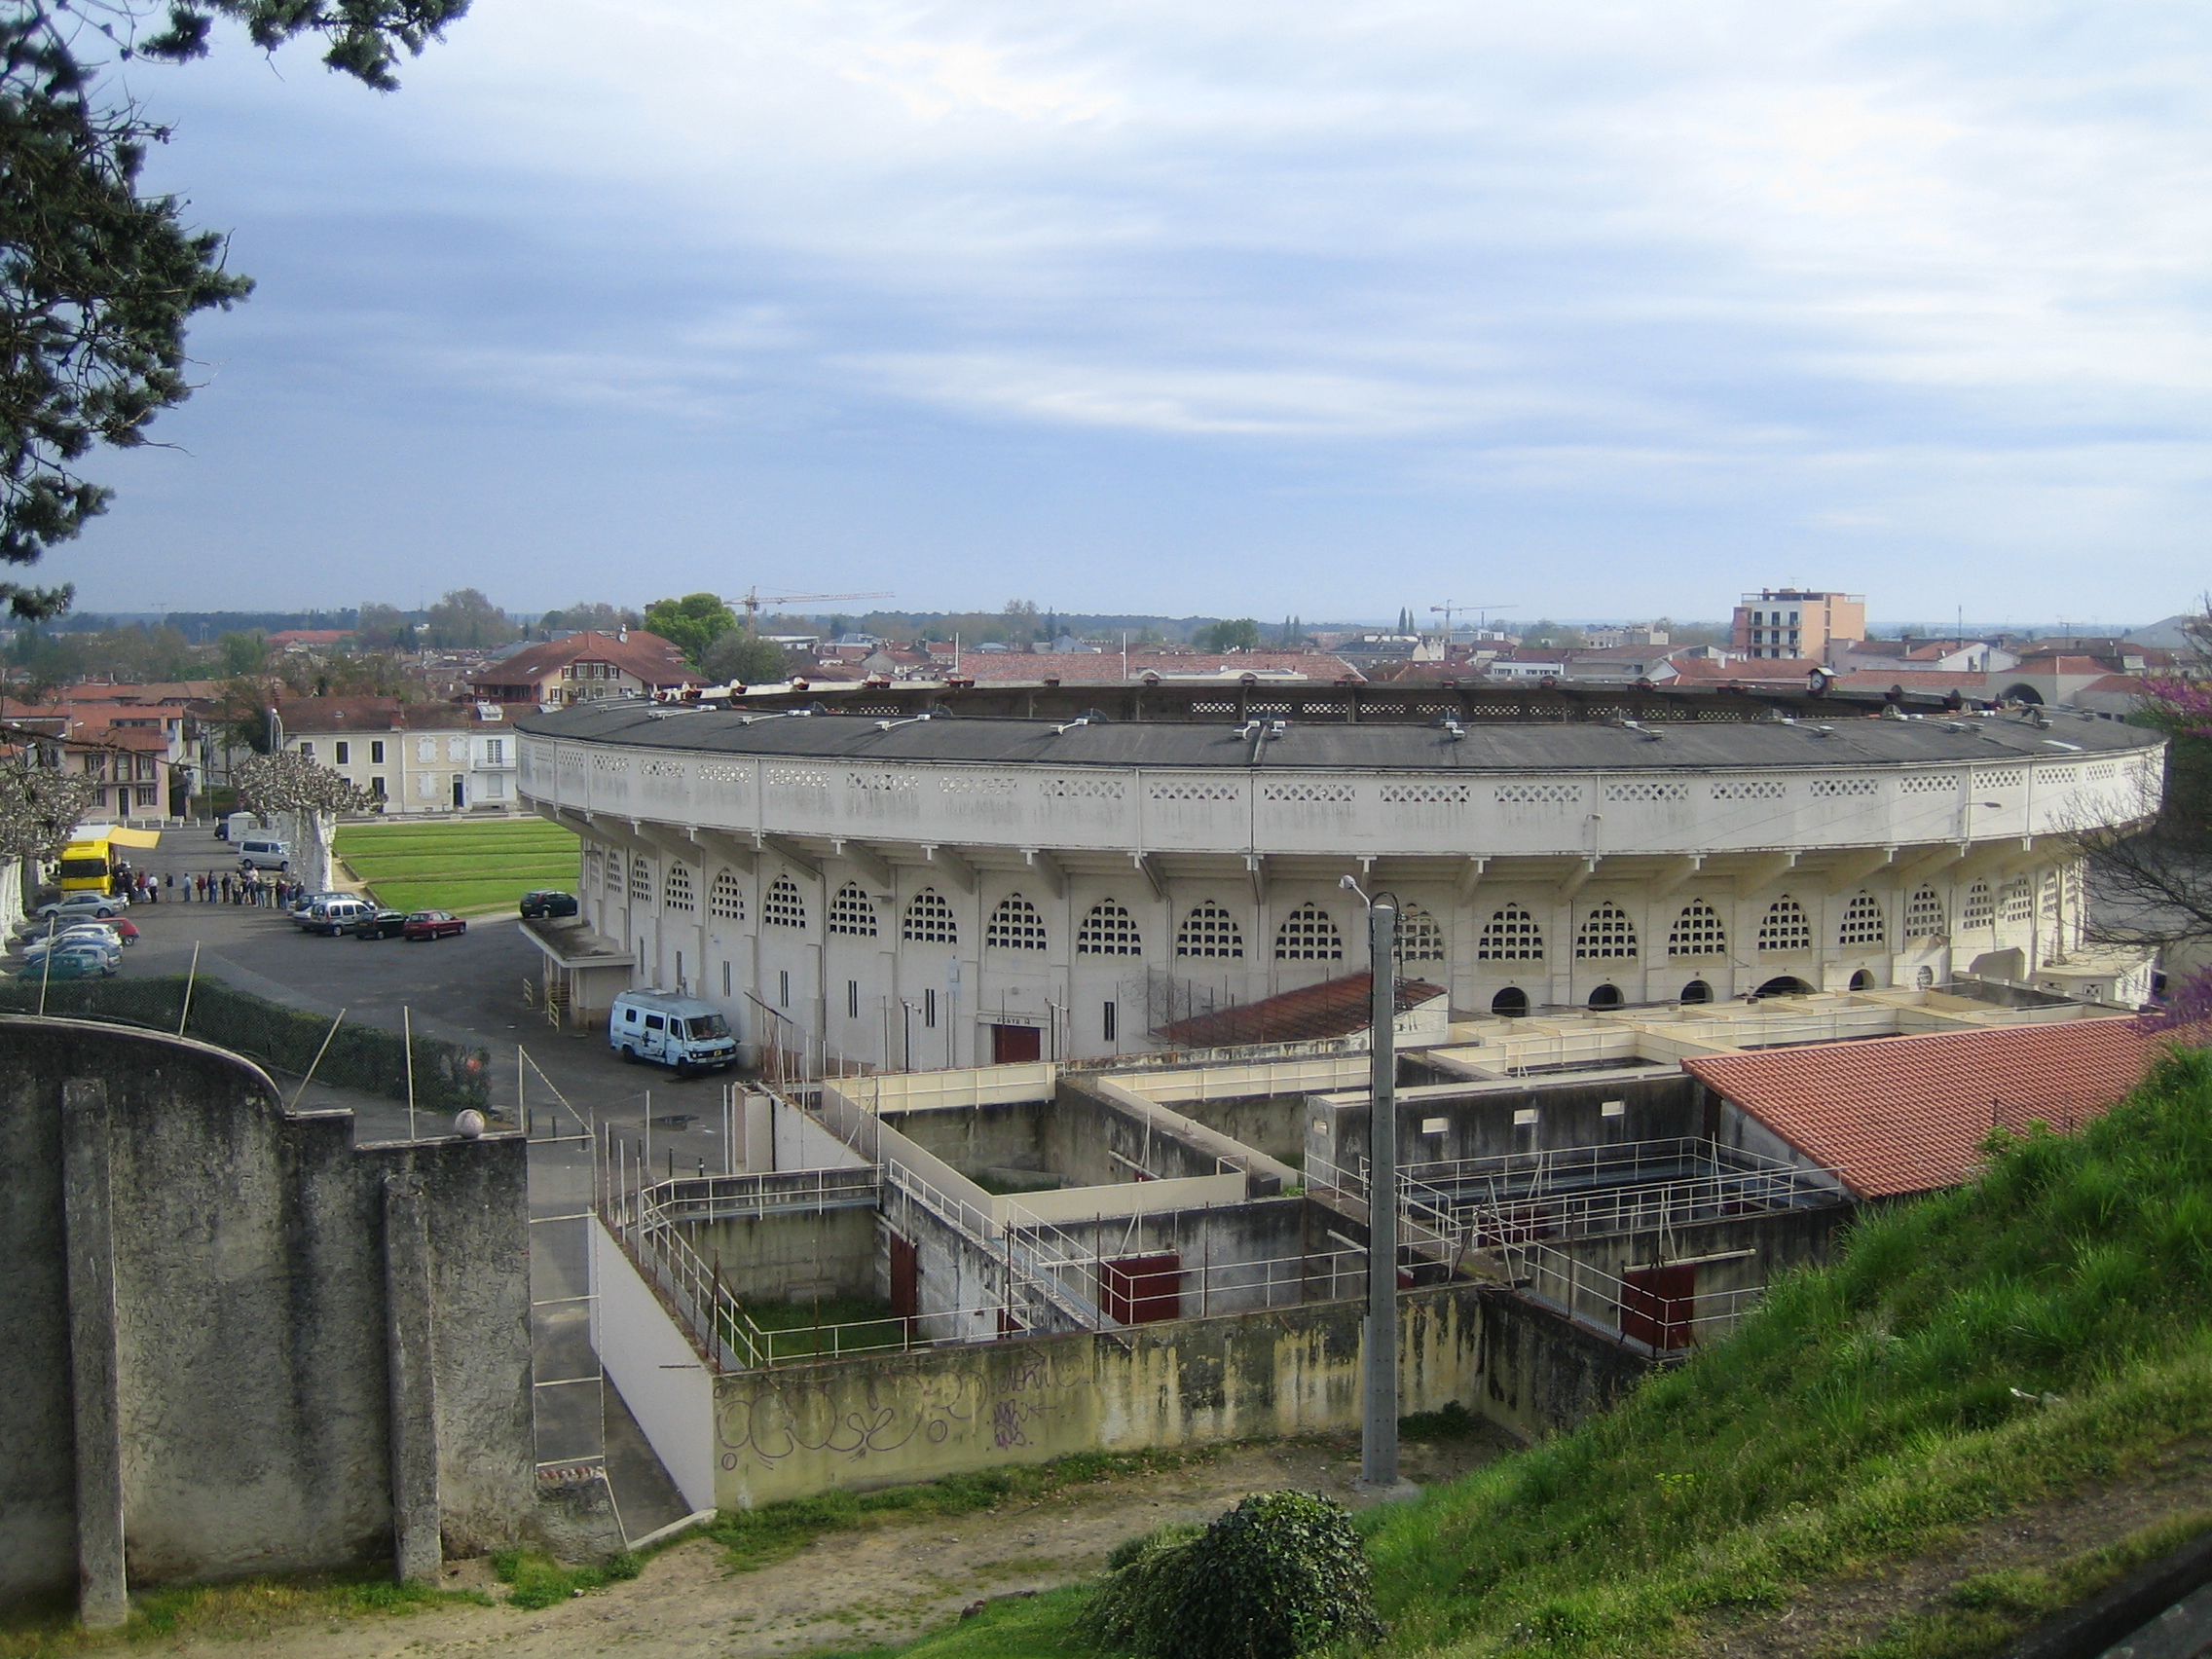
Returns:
<point x="1348" y="728"/>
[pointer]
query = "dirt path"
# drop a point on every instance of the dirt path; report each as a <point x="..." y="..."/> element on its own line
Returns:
<point x="847" y="1589"/>
<point x="1838" y="1618"/>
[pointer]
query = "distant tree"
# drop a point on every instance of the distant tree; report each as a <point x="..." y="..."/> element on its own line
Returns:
<point x="595" y="615"/>
<point x="382" y="628"/>
<point x="244" y="653"/>
<point x="691" y="623"/>
<point x="737" y="658"/>
<point x="465" y="621"/>
<point x="1242" y="635"/>
<point x="98" y="281"/>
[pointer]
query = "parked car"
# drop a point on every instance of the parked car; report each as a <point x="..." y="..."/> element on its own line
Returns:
<point x="68" y="965"/>
<point x="679" y="1032"/>
<point x="257" y="852"/>
<point x="549" y="902"/>
<point x="334" y="916"/>
<point x="88" y="932"/>
<point x="100" y="905"/>
<point x="381" y="924"/>
<point x="297" y="910"/>
<point x="434" y="924"/>
<point x="106" y="949"/>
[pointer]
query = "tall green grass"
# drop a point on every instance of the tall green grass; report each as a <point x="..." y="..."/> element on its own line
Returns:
<point x="2049" y="1324"/>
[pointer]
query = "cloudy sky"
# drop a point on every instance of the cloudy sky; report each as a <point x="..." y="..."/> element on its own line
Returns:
<point x="1249" y="306"/>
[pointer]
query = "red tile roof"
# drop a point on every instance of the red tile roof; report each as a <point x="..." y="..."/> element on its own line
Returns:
<point x="1335" y="1008"/>
<point x="1909" y="1114"/>
<point x="1914" y="680"/>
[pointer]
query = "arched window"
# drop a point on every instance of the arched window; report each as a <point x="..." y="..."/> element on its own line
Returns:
<point x="1510" y="1004"/>
<point x="1980" y="907"/>
<point x="785" y="906"/>
<point x="1785" y="928"/>
<point x="1697" y="932"/>
<point x="1861" y="980"/>
<point x="1605" y="996"/>
<point x="613" y="870"/>
<point x="1307" y="935"/>
<point x="641" y="879"/>
<point x="1923" y="913"/>
<point x="1697" y="991"/>
<point x="677" y="893"/>
<point x="1014" y="925"/>
<point x="1107" y="931"/>
<point x="1511" y="935"/>
<point x="1419" y="938"/>
<point x="725" y="900"/>
<point x="1787" y="985"/>
<point x="929" y="919"/>
<point x="1607" y="934"/>
<point x="1863" y="922"/>
<point x="2019" y="901"/>
<point x="852" y="913"/>
<point x="1209" y="929"/>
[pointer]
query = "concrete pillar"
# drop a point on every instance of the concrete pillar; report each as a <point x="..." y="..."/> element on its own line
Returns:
<point x="102" y="1591"/>
<point x="410" y="1332"/>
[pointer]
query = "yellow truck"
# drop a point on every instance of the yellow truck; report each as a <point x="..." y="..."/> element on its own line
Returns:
<point x="89" y="862"/>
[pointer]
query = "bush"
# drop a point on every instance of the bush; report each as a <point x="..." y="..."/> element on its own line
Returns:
<point x="1280" y="1574"/>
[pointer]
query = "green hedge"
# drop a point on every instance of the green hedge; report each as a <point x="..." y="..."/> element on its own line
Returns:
<point x="447" y="1077"/>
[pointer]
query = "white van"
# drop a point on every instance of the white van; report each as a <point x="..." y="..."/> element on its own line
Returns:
<point x="681" y="1032"/>
<point x="334" y="915"/>
<point x="257" y="853"/>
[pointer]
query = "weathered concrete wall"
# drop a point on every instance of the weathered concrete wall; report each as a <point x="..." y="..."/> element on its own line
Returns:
<point x="265" y="1344"/>
<point x="975" y="1138"/>
<point x="1478" y="1117"/>
<point x="790" y="1258"/>
<point x="1541" y="1373"/>
<point x="869" y="1422"/>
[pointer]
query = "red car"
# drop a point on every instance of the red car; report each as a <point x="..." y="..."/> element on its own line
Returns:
<point x="432" y="923"/>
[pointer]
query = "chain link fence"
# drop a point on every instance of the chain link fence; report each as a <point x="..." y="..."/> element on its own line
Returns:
<point x="448" y="1077"/>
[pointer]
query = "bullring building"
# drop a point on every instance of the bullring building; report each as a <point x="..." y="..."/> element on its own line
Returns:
<point x="924" y="877"/>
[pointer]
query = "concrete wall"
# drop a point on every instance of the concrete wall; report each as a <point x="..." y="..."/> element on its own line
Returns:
<point x="1478" y="1117"/>
<point x="1540" y="1374"/>
<point x="869" y="1422"/>
<point x="656" y="1366"/>
<point x="234" y="1336"/>
<point x="790" y="1258"/>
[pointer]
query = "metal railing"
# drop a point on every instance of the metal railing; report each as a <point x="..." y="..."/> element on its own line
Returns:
<point x="1638" y="1314"/>
<point x="737" y="1198"/>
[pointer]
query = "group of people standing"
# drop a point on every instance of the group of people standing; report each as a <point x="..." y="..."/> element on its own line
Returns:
<point x="215" y="887"/>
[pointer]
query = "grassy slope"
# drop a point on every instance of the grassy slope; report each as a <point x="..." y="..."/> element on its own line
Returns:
<point x="459" y="865"/>
<point x="1870" y="1410"/>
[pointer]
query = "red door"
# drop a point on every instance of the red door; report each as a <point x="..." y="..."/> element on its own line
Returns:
<point x="1657" y="1305"/>
<point x="1012" y="1045"/>
<point x="906" y="1280"/>
<point x="1142" y="1290"/>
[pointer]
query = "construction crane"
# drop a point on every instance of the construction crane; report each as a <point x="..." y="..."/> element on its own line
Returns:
<point x="752" y="599"/>
<point x="1454" y="607"/>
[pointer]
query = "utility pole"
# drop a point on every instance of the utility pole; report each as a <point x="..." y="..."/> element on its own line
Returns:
<point x="1378" y="1418"/>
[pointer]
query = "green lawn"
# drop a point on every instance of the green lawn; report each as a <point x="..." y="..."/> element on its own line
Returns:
<point x="459" y="865"/>
<point x="2000" y="1345"/>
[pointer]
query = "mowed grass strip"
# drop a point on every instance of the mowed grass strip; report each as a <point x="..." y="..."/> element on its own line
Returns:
<point x="459" y="865"/>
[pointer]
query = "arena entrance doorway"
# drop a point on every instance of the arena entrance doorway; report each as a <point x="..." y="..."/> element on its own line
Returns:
<point x="1011" y="1044"/>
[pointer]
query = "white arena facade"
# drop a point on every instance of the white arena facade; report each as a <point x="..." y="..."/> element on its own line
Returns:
<point x="930" y="883"/>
